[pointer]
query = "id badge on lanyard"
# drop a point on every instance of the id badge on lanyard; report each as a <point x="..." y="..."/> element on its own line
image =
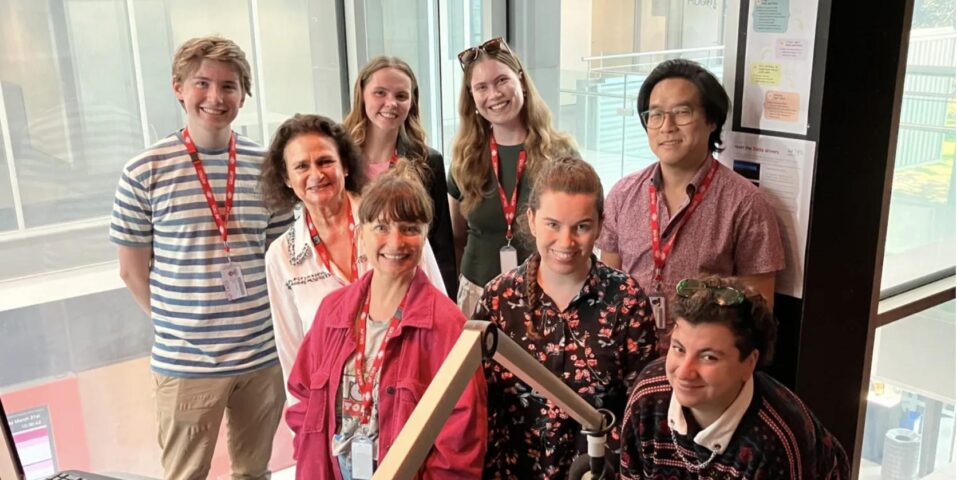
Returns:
<point x="507" y="255"/>
<point x="659" y="305"/>
<point x="233" y="282"/>
<point x="363" y="457"/>
<point x="508" y="258"/>
<point x="660" y="252"/>
<point x="232" y="274"/>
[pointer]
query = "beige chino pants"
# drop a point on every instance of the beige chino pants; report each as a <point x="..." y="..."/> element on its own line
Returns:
<point x="190" y="411"/>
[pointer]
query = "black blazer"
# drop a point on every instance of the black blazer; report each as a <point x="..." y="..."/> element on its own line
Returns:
<point x="440" y="231"/>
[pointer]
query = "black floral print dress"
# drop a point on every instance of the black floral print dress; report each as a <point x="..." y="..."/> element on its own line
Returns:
<point x="597" y="345"/>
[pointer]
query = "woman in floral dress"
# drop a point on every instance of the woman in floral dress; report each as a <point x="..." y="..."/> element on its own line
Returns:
<point x="588" y="323"/>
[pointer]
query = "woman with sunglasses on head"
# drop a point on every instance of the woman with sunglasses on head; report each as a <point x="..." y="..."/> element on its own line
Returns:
<point x="312" y="165"/>
<point x="505" y="136"/>
<point x="704" y="412"/>
<point x="375" y="347"/>
<point x="588" y="323"/>
<point x="384" y="123"/>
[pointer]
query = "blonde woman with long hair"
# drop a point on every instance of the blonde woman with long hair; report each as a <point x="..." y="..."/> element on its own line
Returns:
<point x="504" y="138"/>
<point x="386" y="126"/>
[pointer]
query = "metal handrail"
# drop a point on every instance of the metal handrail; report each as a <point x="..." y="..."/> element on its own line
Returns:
<point x="659" y="52"/>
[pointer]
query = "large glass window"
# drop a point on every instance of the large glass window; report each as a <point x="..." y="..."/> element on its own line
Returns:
<point x="86" y="85"/>
<point x="429" y="36"/>
<point x="920" y="228"/>
<point x="589" y="60"/>
<point x="909" y="426"/>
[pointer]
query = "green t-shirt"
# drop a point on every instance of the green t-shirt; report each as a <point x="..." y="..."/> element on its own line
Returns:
<point x="480" y="261"/>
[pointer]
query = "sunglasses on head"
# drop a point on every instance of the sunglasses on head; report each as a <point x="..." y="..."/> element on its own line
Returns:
<point x="724" y="296"/>
<point x="491" y="47"/>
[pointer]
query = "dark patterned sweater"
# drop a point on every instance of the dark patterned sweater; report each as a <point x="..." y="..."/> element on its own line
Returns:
<point x="778" y="438"/>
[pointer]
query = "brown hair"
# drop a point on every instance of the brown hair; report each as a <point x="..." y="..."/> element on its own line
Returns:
<point x="411" y="139"/>
<point x="751" y="322"/>
<point x="280" y="197"/>
<point x="397" y="195"/>
<point x="192" y="52"/>
<point x="566" y="175"/>
<point x="471" y="161"/>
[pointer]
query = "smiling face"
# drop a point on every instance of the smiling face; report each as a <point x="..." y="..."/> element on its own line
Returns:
<point x="497" y="91"/>
<point x="683" y="146"/>
<point x="388" y="98"/>
<point x="393" y="248"/>
<point x="212" y="96"/>
<point x="314" y="170"/>
<point x="565" y="228"/>
<point x="704" y="367"/>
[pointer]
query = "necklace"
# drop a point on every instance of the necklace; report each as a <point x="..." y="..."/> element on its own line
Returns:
<point x="693" y="467"/>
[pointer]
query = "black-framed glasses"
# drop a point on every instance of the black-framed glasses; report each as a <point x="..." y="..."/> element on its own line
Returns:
<point x="724" y="296"/>
<point x="680" y="116"/>
<point x="491" y="47"/>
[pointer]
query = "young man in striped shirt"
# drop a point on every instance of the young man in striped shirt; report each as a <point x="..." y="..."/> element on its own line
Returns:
<point x="192" y="231"/>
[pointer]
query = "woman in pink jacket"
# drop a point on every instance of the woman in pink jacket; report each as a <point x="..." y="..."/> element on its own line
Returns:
<point x="375" y="346"/>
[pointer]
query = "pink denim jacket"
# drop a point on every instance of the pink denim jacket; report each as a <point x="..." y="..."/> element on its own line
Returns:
<point x="431" y="324"/>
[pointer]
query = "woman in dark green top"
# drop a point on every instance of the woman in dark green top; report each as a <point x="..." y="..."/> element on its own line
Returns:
<point x="504" y="137"/>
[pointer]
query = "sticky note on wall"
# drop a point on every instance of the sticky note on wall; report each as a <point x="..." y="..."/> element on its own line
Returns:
<point x="781" y="106"/>
<point x="765" y="73"/>
<point x="771" y="16"/>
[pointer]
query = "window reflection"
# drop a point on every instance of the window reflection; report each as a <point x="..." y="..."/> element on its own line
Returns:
<point x="86" y="85"/>
<point x="909" y="425"/>
<point x="920" y="228"/>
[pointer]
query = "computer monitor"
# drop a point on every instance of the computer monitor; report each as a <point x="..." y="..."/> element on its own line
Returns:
<point x="10" y="466"/>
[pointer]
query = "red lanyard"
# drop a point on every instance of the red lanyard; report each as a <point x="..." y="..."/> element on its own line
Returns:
<point x="222" y="220"/>
<point x="394" y="159"/>
<point x="321" y="250"/>
<point x="509" y="208"/>
<point x="365" y="382"/>
<point x="661" y="254"/>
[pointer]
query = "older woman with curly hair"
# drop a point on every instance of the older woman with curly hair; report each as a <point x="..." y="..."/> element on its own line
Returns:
<point x="313" y="166"/>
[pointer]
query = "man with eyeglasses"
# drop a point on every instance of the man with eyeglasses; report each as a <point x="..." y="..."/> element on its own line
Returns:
<point x="703" y="411"/>
<point x="687" y="214"/>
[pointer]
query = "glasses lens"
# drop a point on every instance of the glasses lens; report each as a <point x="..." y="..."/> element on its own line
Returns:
<point x="724" y="296"/>
<point x="490" y="47"/>
<point x="654" y="119"/>
<point x="688" y="286"/>
<point x="682" y="116"/>
<point x="467" y="56"/>
<point x="496" y="45"/>
<point x="727" y="296"/>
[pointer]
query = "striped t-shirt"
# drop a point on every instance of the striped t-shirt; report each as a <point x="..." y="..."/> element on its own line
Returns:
<point x="160" y="204"/>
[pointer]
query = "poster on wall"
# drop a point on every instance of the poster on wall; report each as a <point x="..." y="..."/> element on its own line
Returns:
<point x="782" y="168"/>
<point x="778" y="61"/>
<point x="34" y="441"/>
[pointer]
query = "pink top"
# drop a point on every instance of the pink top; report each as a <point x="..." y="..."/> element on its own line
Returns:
<point x="733" y="232"/>
<point x="430" y="325"/>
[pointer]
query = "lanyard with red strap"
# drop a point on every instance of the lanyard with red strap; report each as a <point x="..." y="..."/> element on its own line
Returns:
<point x="395" y="158"/>
<point x="222" y="220"/>
<point x="661" y="254"/>
<point x="508" y="207"/>
<point x="365" y="381"/>
<point x="323" y="252"/>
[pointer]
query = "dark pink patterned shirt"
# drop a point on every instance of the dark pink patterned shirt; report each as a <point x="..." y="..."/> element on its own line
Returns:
<point x="733" y="232"/>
